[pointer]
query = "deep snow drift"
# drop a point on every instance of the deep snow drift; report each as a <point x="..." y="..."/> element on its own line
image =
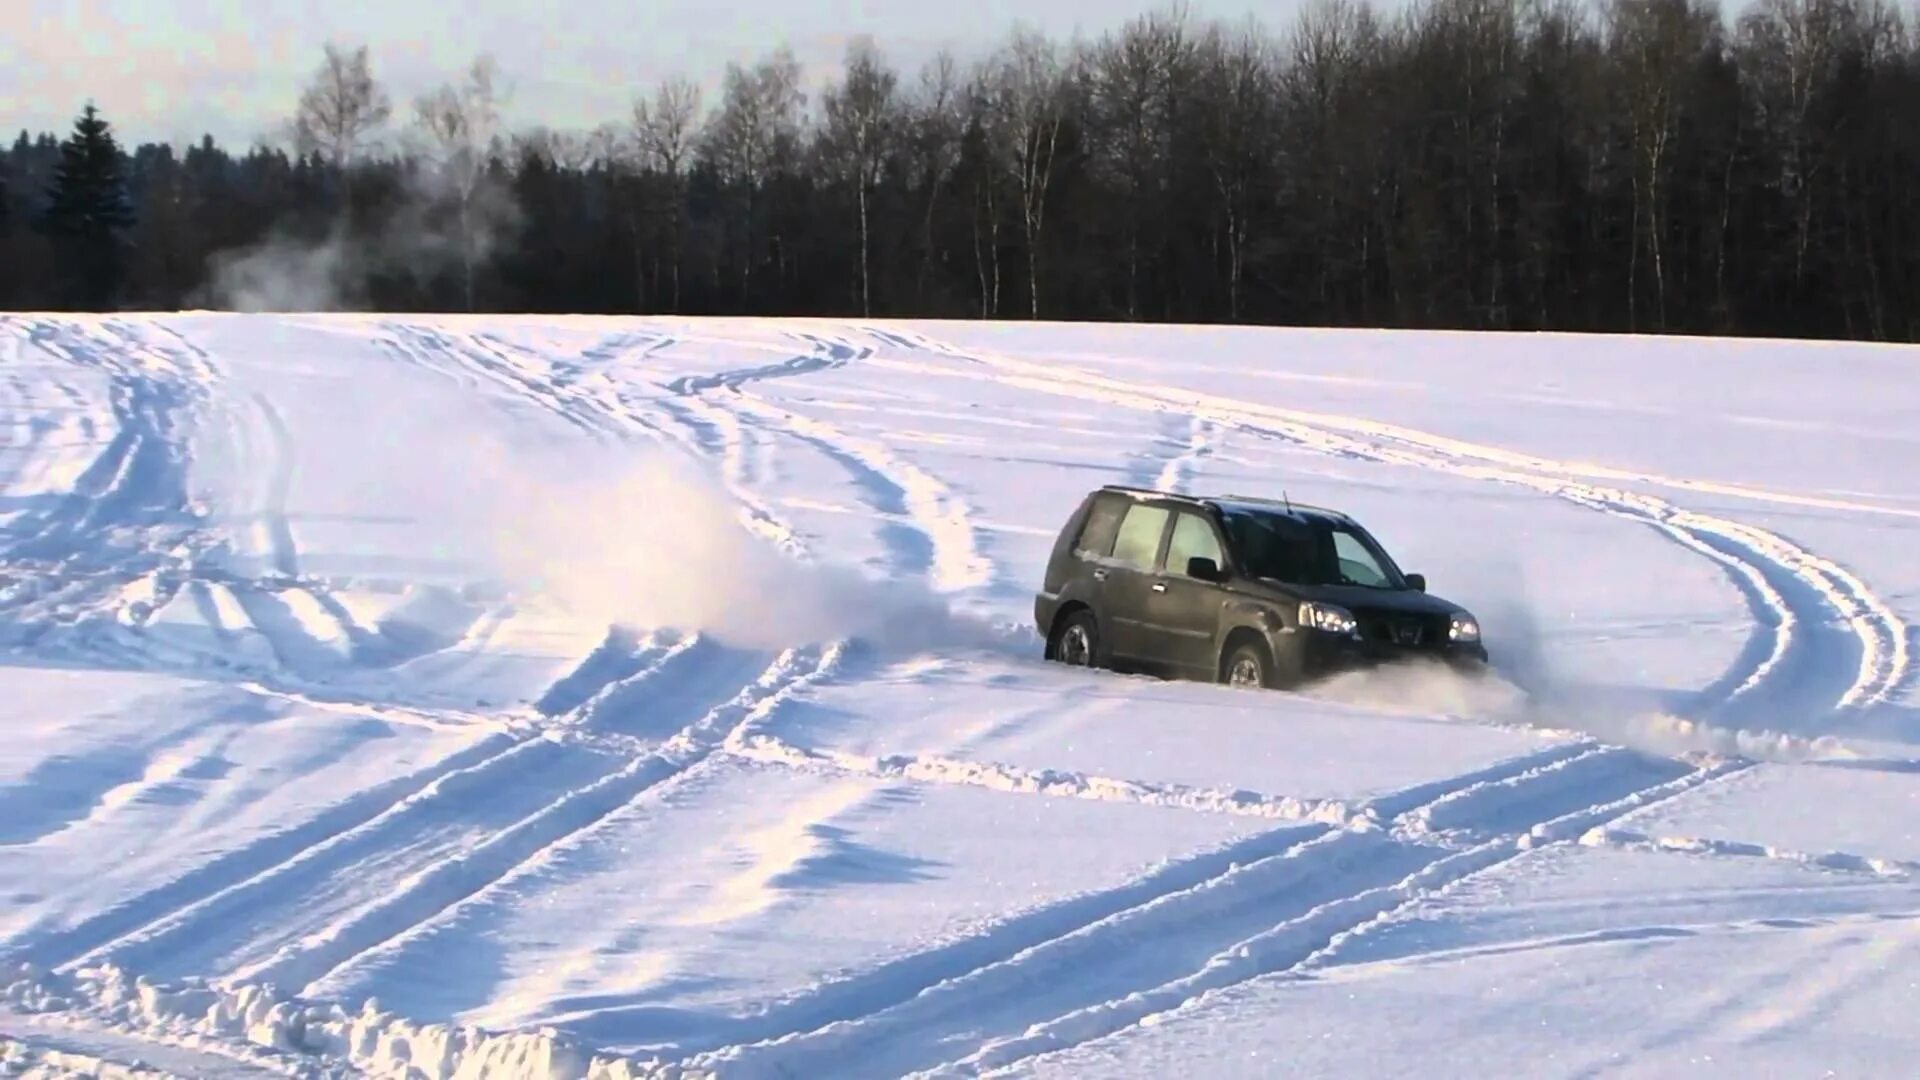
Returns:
<point x="621" y="697"/>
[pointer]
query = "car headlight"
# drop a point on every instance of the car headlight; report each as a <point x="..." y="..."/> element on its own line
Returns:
<point x="1328" y="617"/>
<point x="1463" y="628"/>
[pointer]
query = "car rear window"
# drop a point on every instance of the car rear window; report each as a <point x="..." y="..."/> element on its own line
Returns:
<point x="1139" y="542"/>
<point x="1103" y="523"/>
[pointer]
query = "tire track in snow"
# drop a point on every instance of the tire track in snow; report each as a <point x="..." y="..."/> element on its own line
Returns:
<point x="441" y="892"/>
<point x="62" y="947"/>
<point x="1203" y="436"/>
<point x="946" y="548"/>
<point x="125" y="537"/>
<point x="283" y="552"/>
<point x="40" y="414"/>
<point x="826" y="354"/>
<point x="894" y="982"/>
<point x="1310" y="937"/>
<point x="1037" y="969"/>
<point x="168" y="911"/>
<point x="136" y="485"/>
<point x="610" y="416"/>
<point x="523" y="788"/>
<point x="716" y="434"/>
<point x="437" y="349"/>
<point x="621" y="656"/>
<point x="1790" y="588"/>
<point x="134" y="538"/>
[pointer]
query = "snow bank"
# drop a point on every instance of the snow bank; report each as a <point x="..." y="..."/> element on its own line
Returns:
<point x="254" y="1016"/>
<point x="1056" y="783"/>
<point x="1629" y="840"/>
<point x="19" y="1059"/>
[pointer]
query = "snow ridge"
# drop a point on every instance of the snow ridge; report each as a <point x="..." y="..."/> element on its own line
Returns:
<point x="1627" y="840"/>
<point x="261" y="1026"/>
<point x="1055" y="783"/>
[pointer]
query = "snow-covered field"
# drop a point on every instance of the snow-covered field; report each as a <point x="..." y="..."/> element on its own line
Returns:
<point x="634" y="697"/>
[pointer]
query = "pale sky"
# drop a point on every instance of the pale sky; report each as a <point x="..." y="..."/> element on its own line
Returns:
<point x="174" y="69"/>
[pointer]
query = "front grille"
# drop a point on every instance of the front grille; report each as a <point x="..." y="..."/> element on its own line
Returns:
<point x="1403" y="631"/>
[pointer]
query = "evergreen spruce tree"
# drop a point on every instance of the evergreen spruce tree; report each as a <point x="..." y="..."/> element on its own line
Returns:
<point x="88" y="214"/>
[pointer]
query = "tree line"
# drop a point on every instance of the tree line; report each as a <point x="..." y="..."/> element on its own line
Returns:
<point x="1635" y="165"/>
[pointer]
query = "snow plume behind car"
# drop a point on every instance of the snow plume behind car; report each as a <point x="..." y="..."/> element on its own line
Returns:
<point x="642" y="538"/>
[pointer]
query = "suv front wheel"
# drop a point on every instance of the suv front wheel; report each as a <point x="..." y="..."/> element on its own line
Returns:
<point x="1249" y="666"/>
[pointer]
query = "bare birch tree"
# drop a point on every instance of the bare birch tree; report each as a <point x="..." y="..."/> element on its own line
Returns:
<point x="665" y="129"/>
<point x="459" y="127"/>
<point x="755" y="132"/>
<point x="1238" y="131"/>
<point x="862" y="120"/>
<point x="1656" y="45"/>
<point x="1028" y="99"/>
<point x="339" y="112"/>
<point x="1132" y="82"/>
<point x="935" y="119"/>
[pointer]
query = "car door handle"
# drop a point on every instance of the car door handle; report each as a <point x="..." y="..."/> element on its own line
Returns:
<point x="1099" y="575"/>
<point x="1159" y="586"/>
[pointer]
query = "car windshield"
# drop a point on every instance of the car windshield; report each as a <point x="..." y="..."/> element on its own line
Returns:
<point x="1312" y="552"/>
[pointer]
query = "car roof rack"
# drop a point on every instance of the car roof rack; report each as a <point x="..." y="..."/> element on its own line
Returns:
<point x="1153" y="493"/>
<point x="1284" y="504"/>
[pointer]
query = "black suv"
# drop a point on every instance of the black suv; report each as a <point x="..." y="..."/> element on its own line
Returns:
<point x="1250" y="592"/>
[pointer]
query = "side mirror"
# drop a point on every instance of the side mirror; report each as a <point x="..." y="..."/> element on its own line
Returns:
<point x="1418" y="581"/>
<point x="1204" y="569"/>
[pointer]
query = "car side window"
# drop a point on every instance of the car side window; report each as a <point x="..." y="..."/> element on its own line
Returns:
<point x="1193" y="538"/>
<point x="1357" y="564"/>
<point x="1103" y="522"/>
<point x="1139" y="541"/>
<point x="1270" y="546"/>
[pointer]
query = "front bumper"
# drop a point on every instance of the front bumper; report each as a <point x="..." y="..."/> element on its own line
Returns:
<point x="1323" y="654"/>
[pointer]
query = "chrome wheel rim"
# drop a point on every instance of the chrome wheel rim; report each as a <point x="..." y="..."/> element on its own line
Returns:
<point x="1245" y="672"/>
<point x="1076" y="646"/>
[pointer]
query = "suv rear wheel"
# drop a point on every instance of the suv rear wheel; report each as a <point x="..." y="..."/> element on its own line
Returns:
<point x="1076" y="641"/>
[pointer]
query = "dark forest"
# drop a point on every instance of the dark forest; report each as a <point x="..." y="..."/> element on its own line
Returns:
<point x="1640" y="165"/>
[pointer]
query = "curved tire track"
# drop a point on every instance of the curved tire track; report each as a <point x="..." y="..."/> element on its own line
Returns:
<point x="945" y="548"/>
<point x="507" y="367"/>
<point x="1158" y="946"/>
<point x="1792" y="590"/>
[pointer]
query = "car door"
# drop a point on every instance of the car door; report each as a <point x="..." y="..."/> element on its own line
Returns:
<point x="1184" y="612"/>
<point x="1129" y="574"/>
